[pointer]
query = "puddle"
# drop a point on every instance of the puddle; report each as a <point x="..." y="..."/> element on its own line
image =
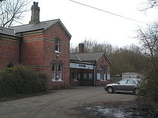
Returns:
<point x="119" y="112"/>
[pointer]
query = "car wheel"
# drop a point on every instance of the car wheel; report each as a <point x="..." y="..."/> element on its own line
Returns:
<point x="136" y="91"/>
<point x="110" y="90"/>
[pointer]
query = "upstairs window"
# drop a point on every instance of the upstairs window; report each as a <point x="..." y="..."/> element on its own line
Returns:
<point x="57" y="45"/>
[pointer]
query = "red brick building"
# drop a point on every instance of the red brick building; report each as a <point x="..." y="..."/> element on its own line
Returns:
<point x="89" y="68"/>
<point x="9" y="47"/>
<point x="45" y="46"/>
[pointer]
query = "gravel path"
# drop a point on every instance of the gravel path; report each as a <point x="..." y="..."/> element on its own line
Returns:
<point x="59" y="103"/>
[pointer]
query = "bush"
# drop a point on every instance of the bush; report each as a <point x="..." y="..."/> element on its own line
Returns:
<point x="20" y="80"/>
<point x="149" y="91"/>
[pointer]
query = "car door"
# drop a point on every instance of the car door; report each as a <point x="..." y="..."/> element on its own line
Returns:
<point x="130" y="85"/>
<point x="121" y="85"/>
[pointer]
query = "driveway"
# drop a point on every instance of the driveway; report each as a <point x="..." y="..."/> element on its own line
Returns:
<point x="59" y="103"/>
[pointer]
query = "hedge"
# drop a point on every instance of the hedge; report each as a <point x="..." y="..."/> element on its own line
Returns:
<point x="21" y="80"/>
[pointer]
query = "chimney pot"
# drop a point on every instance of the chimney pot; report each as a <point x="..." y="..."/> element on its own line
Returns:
<point x="81" y="47"/>
<point x="35" y="13"/>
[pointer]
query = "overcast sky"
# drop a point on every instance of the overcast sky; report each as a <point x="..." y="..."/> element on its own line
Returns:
<point x="88" y="23"/>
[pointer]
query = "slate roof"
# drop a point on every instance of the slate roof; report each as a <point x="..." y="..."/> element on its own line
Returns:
<point x="74" y="57"/>
<point x="88" y="56"/>
<point x="7" y="31"/>
<point x="37" y="26"/>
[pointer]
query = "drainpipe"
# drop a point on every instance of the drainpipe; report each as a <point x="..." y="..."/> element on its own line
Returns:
<point x="94" y="80"/>
<point x="20" y="43"/>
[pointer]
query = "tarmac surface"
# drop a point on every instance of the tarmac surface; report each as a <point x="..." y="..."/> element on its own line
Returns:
<point x="64" y="103"/>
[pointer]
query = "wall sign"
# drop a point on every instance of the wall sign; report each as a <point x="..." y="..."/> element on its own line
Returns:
<point x="82" y="66"/>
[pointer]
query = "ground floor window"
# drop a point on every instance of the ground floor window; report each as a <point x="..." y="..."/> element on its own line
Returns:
<point x="60" y="71"/>
<point x="10" y="65"/>
<point x="90" y="76"/>
<point x="98" y="76"/>
<point x="104" y="77"/>
<point x="103" y="73"/>
<point x="85" y="76"/>
<point x="74" y="74"/>
<point x="57" y="70"/>
<point x="108" y="76"/>
<point x="79" y="76"/>
<point x="53" y="71"/>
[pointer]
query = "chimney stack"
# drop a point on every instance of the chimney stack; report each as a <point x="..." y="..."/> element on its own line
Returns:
<point x="81" y="47"/>
<point x="35" y="13"/>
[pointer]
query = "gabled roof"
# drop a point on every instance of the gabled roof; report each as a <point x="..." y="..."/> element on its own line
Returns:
<point x="37" y="26"/>
<point x="88" y="56"/>
<point x="74" y="57"/>
<point x="7" y="31"/>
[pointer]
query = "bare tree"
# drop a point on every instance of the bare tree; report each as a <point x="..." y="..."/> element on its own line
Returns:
<point x="88" y="44"/>
<point x="94" y="46"/>
<point x="149" y="42"/>
<point x="148" y="5"/>
<point x="11" y="11"/>
<point x="152" y="3"/>
<point x="149" y="39"/>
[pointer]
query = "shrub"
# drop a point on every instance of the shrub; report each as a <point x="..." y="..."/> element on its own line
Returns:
<point x="20" y="80"/>
<point x="149" y="91"/>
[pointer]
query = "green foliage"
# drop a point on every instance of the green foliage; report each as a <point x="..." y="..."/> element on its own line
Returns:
<point x="20" y="80"/>
<point x="127" y="60"/>
<point x="149" y="91"/>
<point x="149" y="41"/>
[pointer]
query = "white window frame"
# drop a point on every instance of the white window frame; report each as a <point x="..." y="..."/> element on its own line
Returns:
<point x="57" y="45"/>
<point x="98" y="76"/>
<point x="104" y="77"/>
<point x="57" y="72"/>
<point x="108" y="76"/>
<point x="60" y="69"/>
<point x="79" y="76"/>
<point x="54" y="72"/>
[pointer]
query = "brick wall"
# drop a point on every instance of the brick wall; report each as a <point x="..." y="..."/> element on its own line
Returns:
<point x="31" y="51"/>
<point x="38" y="52"/>
<point x="9" y="50"/>
<point x="63" y="56"/>
<point x="103" y="61"/>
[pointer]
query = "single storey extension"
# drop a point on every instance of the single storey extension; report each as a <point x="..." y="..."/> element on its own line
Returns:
<point x="89" y="68"/>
